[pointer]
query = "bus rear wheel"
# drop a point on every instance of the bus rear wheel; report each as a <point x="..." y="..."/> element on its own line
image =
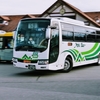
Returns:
<point x="67" y="65"/>
<point x="98" y="59"/>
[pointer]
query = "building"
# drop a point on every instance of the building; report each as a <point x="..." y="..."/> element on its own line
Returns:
<point x="59" y="9"/>
<point x="63" y="9"/>
<point x="9" y="23"/>
<point x="94" y="15"/>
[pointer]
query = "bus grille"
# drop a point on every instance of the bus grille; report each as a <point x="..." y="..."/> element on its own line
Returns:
<point x="30" y="61"/>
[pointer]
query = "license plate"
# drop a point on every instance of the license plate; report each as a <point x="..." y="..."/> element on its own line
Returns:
<point x="27" y="61"/>
<point x="31" y="67"/>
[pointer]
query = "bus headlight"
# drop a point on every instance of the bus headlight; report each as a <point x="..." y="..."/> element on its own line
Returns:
<point x="14" y="60"/>
<point x="43" y="62"/>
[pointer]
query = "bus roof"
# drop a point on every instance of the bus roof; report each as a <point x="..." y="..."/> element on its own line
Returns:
<point x="66" y="20"/>
<point x="77" y="22"/>
<point x="6" y="34"/>
<point x="72" y="21"/>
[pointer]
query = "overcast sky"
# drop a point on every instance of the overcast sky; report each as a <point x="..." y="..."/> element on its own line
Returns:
<point x="12" y="7"/>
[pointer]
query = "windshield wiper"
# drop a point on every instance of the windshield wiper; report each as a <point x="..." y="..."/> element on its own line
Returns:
<point x="23" y="47"/>
<point x="29" y="47"/>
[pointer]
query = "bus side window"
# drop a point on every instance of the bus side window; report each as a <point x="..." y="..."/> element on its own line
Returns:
<point x="80" y="36"/>
<point x="97" y="36"/>
<point x="67" y="35"/>
<point x="10" y="43"/>
<point x="90" y="37"/>
<point x="1" y="44"/>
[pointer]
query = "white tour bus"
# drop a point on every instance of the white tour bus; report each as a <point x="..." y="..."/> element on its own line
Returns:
<point x="57" y="44"/>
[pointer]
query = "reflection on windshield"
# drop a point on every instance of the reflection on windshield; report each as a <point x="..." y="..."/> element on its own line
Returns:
<point x="31" y="40"/>
<point x="29" y="47"/>
<point x="31" y="35"/>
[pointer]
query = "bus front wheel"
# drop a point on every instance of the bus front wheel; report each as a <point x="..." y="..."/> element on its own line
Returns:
<point x="67" y="65"/>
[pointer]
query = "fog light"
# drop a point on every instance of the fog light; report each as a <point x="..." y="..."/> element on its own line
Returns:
<point x="43" y="62"/>
<point x="14" y="60"/>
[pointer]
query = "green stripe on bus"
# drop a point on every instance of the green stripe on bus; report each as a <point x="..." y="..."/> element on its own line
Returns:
<point x="91" y="58"/>
<point x="86" y="55"/>
<point x="94" y="53"/>
<point x="91" y="50"/>
<point x="70" y="51"/>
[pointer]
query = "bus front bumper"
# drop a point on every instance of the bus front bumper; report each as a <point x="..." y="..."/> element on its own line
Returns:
<point x="31" y="66"/>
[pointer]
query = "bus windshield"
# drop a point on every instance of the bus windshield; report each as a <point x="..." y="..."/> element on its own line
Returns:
<point x="31" y="35"/>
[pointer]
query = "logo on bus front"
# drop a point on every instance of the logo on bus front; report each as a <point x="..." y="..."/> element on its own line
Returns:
<point x="34" y="56"/>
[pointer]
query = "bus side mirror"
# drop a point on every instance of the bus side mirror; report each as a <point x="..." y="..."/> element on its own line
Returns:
<point x="48" y="31"/>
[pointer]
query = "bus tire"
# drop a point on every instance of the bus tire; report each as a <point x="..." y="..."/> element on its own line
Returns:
<point x="98" y="59"/>
<point x="67" y="65"/>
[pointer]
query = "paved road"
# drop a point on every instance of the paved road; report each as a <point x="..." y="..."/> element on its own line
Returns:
<point x="82" y="83"/>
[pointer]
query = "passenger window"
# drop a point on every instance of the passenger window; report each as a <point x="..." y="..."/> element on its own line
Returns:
<point x="98" y="38"/>
<point x="90" y="37"/>
<point x="79" y="36"/>
<point x="67" y="35"/>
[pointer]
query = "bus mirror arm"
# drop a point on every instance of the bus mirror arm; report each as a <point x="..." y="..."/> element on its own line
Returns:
<point x="52" y="27"/>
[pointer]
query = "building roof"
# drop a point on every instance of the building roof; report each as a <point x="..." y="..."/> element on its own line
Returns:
<point x="12" y="23"/>
<point x="5" y="18"/>
<point x="94" y="15"/>
<point x="76" y="10"/>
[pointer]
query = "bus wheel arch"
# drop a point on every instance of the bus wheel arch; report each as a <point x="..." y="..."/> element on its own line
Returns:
<point x="68" y="64"/>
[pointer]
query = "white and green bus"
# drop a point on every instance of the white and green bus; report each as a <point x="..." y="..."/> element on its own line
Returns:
<point x="59" y="44"/>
